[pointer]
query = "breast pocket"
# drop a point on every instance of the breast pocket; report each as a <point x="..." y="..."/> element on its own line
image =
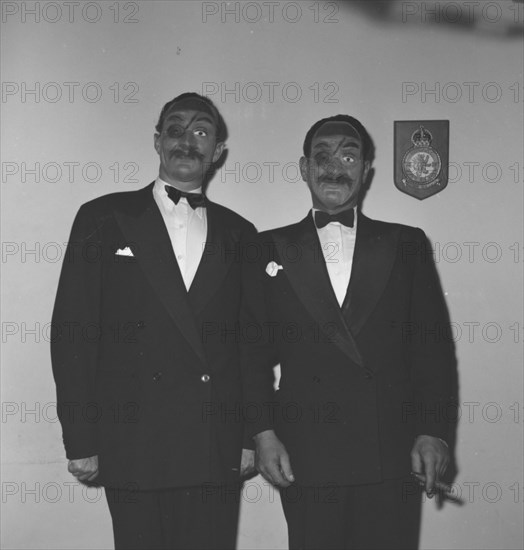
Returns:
<point x="123" y="281"/>
<point x="120" y="260"/>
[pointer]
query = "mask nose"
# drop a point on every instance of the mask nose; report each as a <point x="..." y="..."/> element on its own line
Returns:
<point x="186" y="138"/>
<point x="333" y="168"/>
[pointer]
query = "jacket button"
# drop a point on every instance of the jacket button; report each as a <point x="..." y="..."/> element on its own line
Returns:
<point x="205" y="378"/>
<point x="140" y="324"/>
<point x="157" y="376"/>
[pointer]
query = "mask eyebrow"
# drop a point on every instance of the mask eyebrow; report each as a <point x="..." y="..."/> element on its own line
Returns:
<point x="203" y="118"/>
<point x="346" y="143"/>
<point x="340" y="145"/>
<point x="200" y="116"/>
<point x="190" y="122"/>
<point x="321" y="146"/>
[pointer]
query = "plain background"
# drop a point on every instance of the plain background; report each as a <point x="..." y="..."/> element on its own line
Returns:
<point x="99" y="80"/>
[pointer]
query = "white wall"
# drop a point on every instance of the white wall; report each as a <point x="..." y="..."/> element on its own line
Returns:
<point x="168" y="50"/>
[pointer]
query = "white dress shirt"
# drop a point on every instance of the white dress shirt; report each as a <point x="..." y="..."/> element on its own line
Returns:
<point x="338" y="246"/>
<point x="187" y="230"/>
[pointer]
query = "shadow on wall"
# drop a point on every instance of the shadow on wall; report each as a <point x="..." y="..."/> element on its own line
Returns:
<point x="451" y="411"/>
<point x="504" y="19"/>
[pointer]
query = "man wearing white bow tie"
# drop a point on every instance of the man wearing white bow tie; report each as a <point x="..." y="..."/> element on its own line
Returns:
<point x="158" y="273"/>
<point x="360" y="399"/>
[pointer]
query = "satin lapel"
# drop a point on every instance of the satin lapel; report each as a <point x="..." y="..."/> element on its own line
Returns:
<point x="218" y="254"/>
<point x="309" y="279"/>
<point x="146" y="230"/>
<point x="375" y="253"/>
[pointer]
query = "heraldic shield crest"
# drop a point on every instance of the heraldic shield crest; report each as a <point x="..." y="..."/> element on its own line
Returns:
<point x="421" y="157"/>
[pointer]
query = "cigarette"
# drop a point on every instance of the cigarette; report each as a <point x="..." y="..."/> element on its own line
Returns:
<point x="439" y="485"/>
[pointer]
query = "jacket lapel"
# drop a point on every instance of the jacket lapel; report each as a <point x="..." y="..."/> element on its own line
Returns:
<point x="375" y="253"/>
<point x="218" y="254"/>
<point x="145" y="228"/>
<point x="308" y="276"/>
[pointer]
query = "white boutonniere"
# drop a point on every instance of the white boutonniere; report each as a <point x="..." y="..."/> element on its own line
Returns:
<point x="273" y="268"/>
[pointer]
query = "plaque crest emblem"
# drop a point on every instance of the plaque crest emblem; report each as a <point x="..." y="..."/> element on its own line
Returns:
<point x="421" y="157"/>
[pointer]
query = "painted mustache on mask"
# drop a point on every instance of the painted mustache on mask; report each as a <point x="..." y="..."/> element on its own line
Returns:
<point x="341" y="180"/>
<point x="191" y="153"/>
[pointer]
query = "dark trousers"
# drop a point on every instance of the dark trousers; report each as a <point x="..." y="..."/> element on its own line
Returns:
<point x="382" y="516"/>
<point x="199" y="518"/>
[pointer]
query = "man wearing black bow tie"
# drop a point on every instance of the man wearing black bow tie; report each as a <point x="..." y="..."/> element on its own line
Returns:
<point x="360" y="399"/>
<point x="148" y="386"/>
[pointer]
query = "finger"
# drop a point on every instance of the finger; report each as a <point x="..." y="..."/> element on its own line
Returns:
<point x="285" y="467"/>
<point x="267" y="476"/>
<point x="83" y="473"/>
<point x="93" y="476"/>
<point x="429" y="469"/>
<point x="416" y="462"/>
<point x="276" y="475"/>
<point x="420" y="479"/>
<point x="443" y="466"/>
<point x="260" y="467"/>
<point x="441" y="463"/>
<point x="84" y="476"/>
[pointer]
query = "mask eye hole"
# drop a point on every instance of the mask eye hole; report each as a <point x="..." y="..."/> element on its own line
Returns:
<point x="321" y="158"/>
<point x="175" y="131"/>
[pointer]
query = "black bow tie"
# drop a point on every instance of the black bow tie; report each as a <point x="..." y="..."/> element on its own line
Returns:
<point x="194" y="200"/>
<point x="346" y="217"/>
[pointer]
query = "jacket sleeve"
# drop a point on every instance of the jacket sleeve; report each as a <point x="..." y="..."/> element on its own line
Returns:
<point x="258" y="346"/>
<point x="428" y="336"/>
<point x="76" y="335"/>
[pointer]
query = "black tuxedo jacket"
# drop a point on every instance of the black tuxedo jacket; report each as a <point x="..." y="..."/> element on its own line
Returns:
<point x="358" y="382"/>
<point x="148" y="375"/>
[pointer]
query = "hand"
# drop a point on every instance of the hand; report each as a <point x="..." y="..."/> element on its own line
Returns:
<point x="84" y="469"/>
<point x="429" y="456"/>
<point x="247" y="463"/>
<point x="272" y="460"/>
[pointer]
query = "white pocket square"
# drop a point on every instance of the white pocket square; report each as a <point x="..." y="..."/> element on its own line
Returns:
<point x="273" y="268"/>
<point x="124" y="252"/>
